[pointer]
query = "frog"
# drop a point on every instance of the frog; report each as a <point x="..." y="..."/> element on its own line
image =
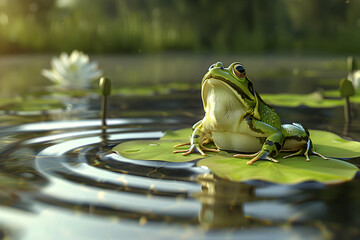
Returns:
<point x="237" y="119"/>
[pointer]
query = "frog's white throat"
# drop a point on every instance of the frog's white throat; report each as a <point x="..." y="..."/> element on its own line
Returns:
<point x="221" y="102"/>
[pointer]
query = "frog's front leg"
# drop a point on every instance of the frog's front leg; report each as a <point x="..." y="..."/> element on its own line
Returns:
<point x="197" y="142"/>
<point x="272" y="145"/>
<point x="297" y="138"/>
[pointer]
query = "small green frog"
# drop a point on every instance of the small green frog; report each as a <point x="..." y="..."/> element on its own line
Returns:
<point x="238" y="119"/>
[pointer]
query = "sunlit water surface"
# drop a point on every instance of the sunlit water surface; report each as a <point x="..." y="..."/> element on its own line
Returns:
<point x="60" y="180"/>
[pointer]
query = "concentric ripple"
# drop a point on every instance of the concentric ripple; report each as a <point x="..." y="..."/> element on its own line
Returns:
<point x="64" y="175"/>
<point x="84" y="161"/>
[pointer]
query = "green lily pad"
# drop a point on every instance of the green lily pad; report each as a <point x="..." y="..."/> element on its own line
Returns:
<point x="332" y="145"/>
<point x="36" y="104"/>
<point x="287" y="171"/>
<point x="156" y="89"/>
<point x="336" y="94"/>
<point x="314" y="100"/>
<point x="326" y="99"/>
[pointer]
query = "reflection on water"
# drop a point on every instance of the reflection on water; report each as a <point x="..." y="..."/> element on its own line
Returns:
<point x="223" y="202"/>
<point x="63" y="181"/>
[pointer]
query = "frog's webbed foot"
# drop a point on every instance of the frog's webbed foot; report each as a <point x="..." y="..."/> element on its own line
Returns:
<point x="261" y="155"/>
<point x="194" y="148"/>
<point x="306" y="151"/>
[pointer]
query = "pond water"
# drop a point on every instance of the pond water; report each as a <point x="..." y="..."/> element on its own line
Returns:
<point x="60" y="179"/>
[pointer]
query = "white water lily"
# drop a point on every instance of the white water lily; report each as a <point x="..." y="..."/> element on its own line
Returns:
<point x="72" y="71"/>
<point x="355" y="78"/>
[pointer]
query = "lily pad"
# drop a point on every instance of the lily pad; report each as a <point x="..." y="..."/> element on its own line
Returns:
<point x="36" y="104"/>
<point x="156" y="89"/>
<point x="336" y="94"/>
<point x="314" y="100"/>
<point x="332" y="145"/>
<point x="287" y="171"/>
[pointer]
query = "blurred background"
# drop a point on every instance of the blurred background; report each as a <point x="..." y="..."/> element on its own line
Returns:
<point x="282" y="43"/>
<point x="57" y="174"/>
<point x="147" y="26"/>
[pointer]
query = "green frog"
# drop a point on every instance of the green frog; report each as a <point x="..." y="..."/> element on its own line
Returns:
<point x="238" y="119"/>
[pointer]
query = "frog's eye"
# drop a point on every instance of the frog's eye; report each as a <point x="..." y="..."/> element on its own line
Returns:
<point x="212" y="66"/>
<point x="239" y="70"/>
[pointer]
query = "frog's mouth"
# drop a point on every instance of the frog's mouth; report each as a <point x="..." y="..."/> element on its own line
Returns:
<point x="223" y="90"/>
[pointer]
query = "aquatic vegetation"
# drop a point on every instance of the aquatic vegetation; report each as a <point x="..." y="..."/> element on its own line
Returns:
<point x="105" y="87"/>
<point x="136" y="26"/>
<point x="355" y="78"/>
<point x="78" y="179"/>
<point x="30" y="105"/>
<point x="72" y="71"/>
<point x="313" y="100"/>
<point x="353" y="72"/>
<point x="287" y="171"/>
<point x="346" y="91"/>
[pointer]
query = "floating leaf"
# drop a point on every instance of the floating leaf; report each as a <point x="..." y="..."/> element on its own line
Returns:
<point x="287" y="171"/>
<point x="326" y="99"/>
<point x="154" y="150"/>
<point x="314" y="100"/>
<point x="19" y="104"/>
<point x="178" y="134"/>
<point x="332" y="145"/>
<point x="164" y="88"/>
<point x="336" y="94"/>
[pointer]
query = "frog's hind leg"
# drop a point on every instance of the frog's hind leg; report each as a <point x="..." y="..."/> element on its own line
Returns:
<point x="272" y="144"/>
<point x="297" y="131"/>
<point x="307" y="150"/>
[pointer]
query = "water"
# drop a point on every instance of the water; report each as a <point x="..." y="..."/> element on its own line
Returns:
<point x="60" y="180"/>
<point x="21" y="74"/>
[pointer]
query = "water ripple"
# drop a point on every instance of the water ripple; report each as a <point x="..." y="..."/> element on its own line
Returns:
<point x="66" y="169"/>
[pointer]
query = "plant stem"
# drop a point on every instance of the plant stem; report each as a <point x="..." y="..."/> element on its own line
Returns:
<point x="347" y="110"/>
<point x="105" y="86"/>
<point x="104" y="112"/>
